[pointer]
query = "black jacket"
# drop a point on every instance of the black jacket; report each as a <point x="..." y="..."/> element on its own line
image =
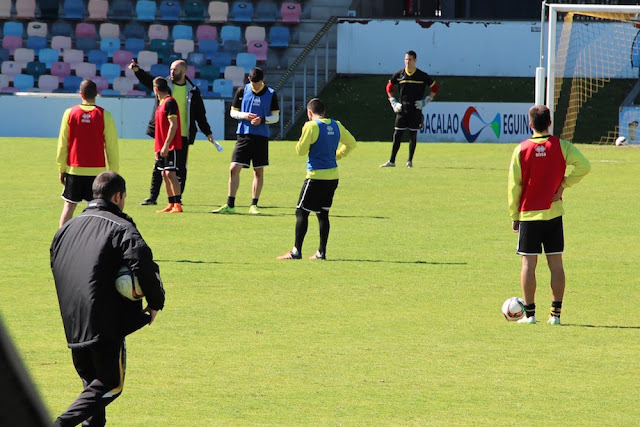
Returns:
<point x="195" y="107"/>
<point x="86" y="253"/>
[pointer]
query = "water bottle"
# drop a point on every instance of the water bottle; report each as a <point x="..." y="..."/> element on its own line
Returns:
<point x="218" y="146"/>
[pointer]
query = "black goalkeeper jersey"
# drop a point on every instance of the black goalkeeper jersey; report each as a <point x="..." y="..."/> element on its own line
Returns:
<point x="413" y="87"/>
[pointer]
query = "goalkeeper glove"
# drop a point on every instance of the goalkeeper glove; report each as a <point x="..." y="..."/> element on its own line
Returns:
<point x="421" y="103"/>
<point x="395" y="105"/>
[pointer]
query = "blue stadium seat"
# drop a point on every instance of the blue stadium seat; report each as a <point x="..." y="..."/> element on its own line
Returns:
<point x="120" y="10"/>
<point x="246" y="60"/>
<point x="109" y="45"/>
<point x="242" y="11"/>
<point x="61" y="28"/>
<point x="110" y="92"/>
<point x="160" y="70"/>
<point x="85" y="44"/>
<point x="134" y="30"/>
<point x="169" y="11"/>
<point x="36" y="69"/>
<point x="266" y="11"/>
<point x="279" y="37"/>
<point x="203" y="85"/>
<point x="197" y="59"/>
<point x="13" y="28"/>
<point x="181" y="31"/>
<point x="48" y="56"/>
<point x="161" y="47"/>
<point x="110" y="71"/>
<point x="221" y="59"/>
<point x="23" y="82"/>
<point x="233" y="47"/>
<point x="146" y="10"/>
<point x="193" y="11"/>
<point x="134" y="45"/>
<point x="36" y="42"/>
<point x="208" y="47"/>
<point x="223" y="88"/>
<point x="73" y="9"/>
<point x="230" y="32"/>
<point x="209" y="72"/>
<point x="48" y="9"/>
<point x="4" y="55"/>
<point x="98" y="57"/>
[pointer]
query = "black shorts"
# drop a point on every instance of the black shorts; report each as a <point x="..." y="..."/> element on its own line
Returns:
<point x="78" y="188"/>
<point x="410" y="119"/>
<point x="251" y="149"/>
<point x="534" y="235"/>
<point x="317" y="194"/>
<point x="169" y="163"/>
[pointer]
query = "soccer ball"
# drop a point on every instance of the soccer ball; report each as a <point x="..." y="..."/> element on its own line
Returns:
<point x="621" y="140"/>
<point x="513" y="309"/>
<point x="127" y="284"/>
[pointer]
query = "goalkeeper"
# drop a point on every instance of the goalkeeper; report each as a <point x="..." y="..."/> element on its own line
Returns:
<point x="413" y="84"/>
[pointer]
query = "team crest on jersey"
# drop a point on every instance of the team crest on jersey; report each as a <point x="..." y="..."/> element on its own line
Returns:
<point x="330" y="130"/>
<point x="541" y="151"/>
<point x="86" y="118"/>
<point x="256" y="102"/>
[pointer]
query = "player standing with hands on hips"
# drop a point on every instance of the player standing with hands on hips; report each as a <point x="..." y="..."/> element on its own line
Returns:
<point x="536" y="183"/>
<point x="413" y="84"/>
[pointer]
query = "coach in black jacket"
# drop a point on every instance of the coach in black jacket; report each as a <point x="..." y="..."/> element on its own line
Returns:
<point x="86" y="253"/>
<point x="195" y="111"/>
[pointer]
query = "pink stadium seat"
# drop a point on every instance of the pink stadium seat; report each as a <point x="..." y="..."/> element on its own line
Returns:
<point x="11" y="43"/>
<point x="61" y="70"/>
<point x="235" y="74"/>
<point x="137" y="93"/>
<point x="5" y="11"/>
<point x="47" y="83"/>
<point x="35" y="28"/>
<point x="22" y="56"/>
<point x="109" y="30"/>
<point x="60" y="43"/>
<point x="123" y="84"/>
<point x="183" y="47"/>
<point x="98" y="10"/>
<point x="85" y="29"/>
<point x="158" y="32"/>
<point x="86" y="70"/>
<point x="122" y="58"/>
<point x="218" y="11"/>
<point x="191" y="72"/>
<point x="102" y="83"/>
<point x="131" y="75"/>
<point x="9" y="90"/>
<point x="146" y="59"/>
<point x="259" y="49"/>
<point x="25" y="9"/>
<point x="254" y="32"/>
<point x="10" y="69"/>
<point x="73" y="57"/>
<point x="290" y="12"/>
<point x="207" y="32"/>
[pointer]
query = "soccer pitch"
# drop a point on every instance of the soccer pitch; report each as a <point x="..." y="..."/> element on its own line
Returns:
<point x="400" y="326"/>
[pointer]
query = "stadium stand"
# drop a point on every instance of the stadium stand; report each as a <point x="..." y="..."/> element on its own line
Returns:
<point x="36" y="42"/>
<point x="221" y="59"/>
<point x="290" y="12"/>
<point x="161" y="70"/>
<point x="9" y="90"/>
<point x="235" y="74"/>
<point x="86" y="29"/>
<point x="71" y="84"/>
<point x="5" y="10"/>
<point x="25" y="9"/>
<point x="22" y="56"/>
<point x="110" y="71"/>
<point x="73" y="9"/>
<point x="60" y="43"/>
<point x="222" y="88"/>
<point x="98" y="57"/>
<point x="23" y="82"/>
<point x="279" y="37"/>
<point x="145" y="10"/>
<point x="162" y="48"/>
<point x="123" y="84"/>
<point x="37" y="69"/>
<point x="197" y="59"/>
<point x="48" y="9"/>
<point x="98" y="10"/>
<point x="60" y="70"/>
<point x="169" y="11"/>
<point x="209" y="72"/>
<point x="184" y="47"/>
<point x="49" y="56"/>
<point x="120" y="10"/>
<point x="208" y="47"/>
<point x="86" y="70"/>
<point x="108" y="29"/>
<point x="193" y="11"/>
<point x="134" y="29"/>
<point x="122" y="58"/>
<point x="181" y="31"/>
<point x="255" y="32"/>
<point x="48" y="83"/>
<point x="206" y="32"/>
<point x="4" y="81"/>
<point x="230" y="32"/>
<point x="61" y="28"/>
<point x="109" y="45"/>
<point x="233" y="47"/>
<point x="134" y="45"/>
<point x="35" y="28"/>
<point x="246" y="61"/>
<point x="73" y="57"/>
<point x="218" y="12"/>
<point x="4" y="55"/>
<point x="11" y="43"/>
<point x="101" y="83"/>
<point x="242" y="11"/>
<point x="259" y="48"/>
<point x="158" y="32"/>
<point x="85" y="44"/>
<point x="266" y="12"/>
<point x="13" y="28"/>
<point x="146" y="59"/>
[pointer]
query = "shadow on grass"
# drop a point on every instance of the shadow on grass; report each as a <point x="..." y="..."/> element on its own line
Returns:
<point x="398" y="262"/>
<point x="599" y="326"/>
<point x="189" y="261"/>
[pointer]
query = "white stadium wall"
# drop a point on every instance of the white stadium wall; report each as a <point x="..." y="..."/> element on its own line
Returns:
<point x="36" y="115"/>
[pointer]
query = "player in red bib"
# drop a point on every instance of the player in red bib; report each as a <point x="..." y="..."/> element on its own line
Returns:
<point x="536" y="183"/>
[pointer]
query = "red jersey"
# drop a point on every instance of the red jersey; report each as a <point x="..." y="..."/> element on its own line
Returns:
<point x="544" y="161"/>
<point x="86" y="137"/>
<point x="168" y="107"/>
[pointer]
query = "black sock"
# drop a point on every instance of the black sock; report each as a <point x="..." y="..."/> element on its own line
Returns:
<point x="172" y="199"/>
<point x="556" y="308"/>
<point x="178" y="198"/>
<point x="231" y="202"/>
<point x="530" y="309"/>
<point x="254" y="202"/>
<point x="324" y="225"/>
<point x="302" y="224"/>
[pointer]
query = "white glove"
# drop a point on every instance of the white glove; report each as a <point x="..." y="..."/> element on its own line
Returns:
<point x="395" y="105"/>
<point x="421" y="103"/>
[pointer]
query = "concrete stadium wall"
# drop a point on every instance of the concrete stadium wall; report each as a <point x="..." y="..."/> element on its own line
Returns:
<point x="36" y="115"/>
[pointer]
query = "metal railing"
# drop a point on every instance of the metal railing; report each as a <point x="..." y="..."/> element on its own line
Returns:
<point x="310" y="89"/>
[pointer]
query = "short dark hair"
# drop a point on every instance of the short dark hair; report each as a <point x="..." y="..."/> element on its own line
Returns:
<point x="539" y="117"/>
<point x="256" y="75"/>
<point x="107" y="184"/>
<point x="161" y="84"/>
<point x="316" y="106"/>
<point x="88" y="89"/>
<point x="412" y="53"/>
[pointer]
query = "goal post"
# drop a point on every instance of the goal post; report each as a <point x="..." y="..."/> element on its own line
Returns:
<point x="592" y="65"/>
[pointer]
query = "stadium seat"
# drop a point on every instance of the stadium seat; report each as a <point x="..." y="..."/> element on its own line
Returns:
<point x="218" y="12"/>
<point x="5" y="10"/>
<point x="169" y="11"/>
<point x="71" y="84"/>
<point x="23" y="82"/>
<point x="203" y="85"/>
<point x="230" y="32"/>
<point x="193" y="11"/>
<point x="110" y="45"/>
<point x="279" y="37"/>
<point x="221" y="59"/>
<point x="290" y="12"/>
<point x="4" y="55"/>
<point x="22" y="56"/>
<point x="35" y="28"/>
<point x="254" y="32"/>
<point x="85" y="44"/>
<point x="206" y="32"/>
<point x="10" y="69"/>
<point x="36" y="69"/>
<point x="73" y="9"/>
<point x="235" y="74"/>
<point x="85" y="29"/>
<point x="98" y="10"/>
<point x="208" y="47"/>
<point x="60" y="43"/>
<point x="259" y="49"/>
<point x="146" y="10"/>
<point x="146" y="59"/>
<point x="73" y="57"/>
<point x="136" y="93"/>
<point x="61" y="70"/>
<point x="134" y="30"/>
<point x="61" y="28"/>
<point x="48" y="83"/>
<point x="134" y="45"/>
<point x="86" y="70"/>
<point x="160" y="70"/>
<point x="197" y="59"/>
<point x="120" y="10"/>
<point x="183" y="47"/>
<point x="131" y="75"/>
<point x="246" y="60"/>
<point x="98" y="57"/>
<point x="25" y="9"/>
<point x="11" y="43"/>
<point x="242" y="11"/>
<point x="109" y="92"/>
<point x="122" y="58"/>
<point x="101" y="83"/>
<point x="122" y="84"/>
<point x="191" y="72"/>
<point x="182" y="31"/>
<point x="162" y="48"/>
<point x="266" y="11"/>
<point x="110" y="71"/>
<point x="49" y="56"/>
<point x="223" y="88"/>
<point x="48" y="9"/>
<point x="233" y="47"/>
<point x="4" y="81"/>
<point x="36" y="42"/>
<point x="109" y="30"/>
<point x="13" y="28"/>
<point x="209" y="72"/>
<point x="158" y="32"/>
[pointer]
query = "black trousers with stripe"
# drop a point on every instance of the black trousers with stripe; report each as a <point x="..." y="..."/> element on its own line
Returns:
<point x="101" y="367"/>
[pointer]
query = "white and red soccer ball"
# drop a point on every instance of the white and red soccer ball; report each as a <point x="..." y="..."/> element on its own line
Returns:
<point x="513" y="309"/>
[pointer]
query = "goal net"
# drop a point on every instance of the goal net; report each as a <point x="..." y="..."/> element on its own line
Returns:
<point x="592" y="68"/>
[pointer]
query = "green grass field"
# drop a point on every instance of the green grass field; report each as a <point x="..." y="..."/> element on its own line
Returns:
<point x="402" y="324"/>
